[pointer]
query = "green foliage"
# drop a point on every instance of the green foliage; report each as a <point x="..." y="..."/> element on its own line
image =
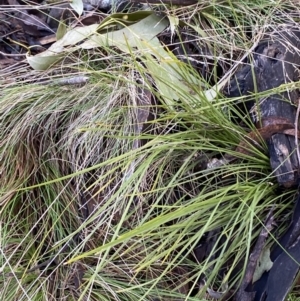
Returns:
<point x="150" y="199"/>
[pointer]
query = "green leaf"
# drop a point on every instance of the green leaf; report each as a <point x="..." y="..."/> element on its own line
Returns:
<point x="57" y="50"/>
<point x="146" y="29"/>
<point x="61" y="30"/>
<point x="161" y="64"/>
<point x="43" y="62"/>
<point x="125" y="19"/>
<point x="75" y="36"/>
<point x="264" y="264"/>
<point x="163" y="68"/>
<point x="77" y="5"/>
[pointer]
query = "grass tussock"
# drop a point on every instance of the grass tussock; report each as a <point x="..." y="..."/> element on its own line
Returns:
<point x="103" y="185"/>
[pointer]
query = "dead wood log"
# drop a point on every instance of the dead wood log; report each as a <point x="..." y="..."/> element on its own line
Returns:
<point x="274" y="62"/>
<point x="275" y="284"/>
<point x="242" y="293"/>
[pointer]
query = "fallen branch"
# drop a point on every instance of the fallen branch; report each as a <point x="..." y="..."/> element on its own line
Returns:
<point x="242" y="294"/>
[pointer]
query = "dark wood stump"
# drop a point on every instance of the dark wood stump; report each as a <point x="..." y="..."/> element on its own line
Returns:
<point x="274" y="62"/>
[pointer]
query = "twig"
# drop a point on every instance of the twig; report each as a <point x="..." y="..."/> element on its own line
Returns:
<point x="14" y="55"/>
<point x="76" y="80"/>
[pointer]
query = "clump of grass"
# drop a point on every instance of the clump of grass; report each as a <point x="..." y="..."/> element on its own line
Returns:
<point x="114" y="201"/>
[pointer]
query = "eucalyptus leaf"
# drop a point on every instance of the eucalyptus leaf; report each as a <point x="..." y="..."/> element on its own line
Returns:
<point x="75" y="36"/>
<point x="124" y="17"/>
<point x="57" y="50"/>
<point x="43" y="62"/>
<point x="146" y="29"/>
<point x="264" y="264"/>
<point x="77" y="5"/>
<point x="61" y="30"/>
<point x="163" y="68"/>
<point x="162" y="65"/>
